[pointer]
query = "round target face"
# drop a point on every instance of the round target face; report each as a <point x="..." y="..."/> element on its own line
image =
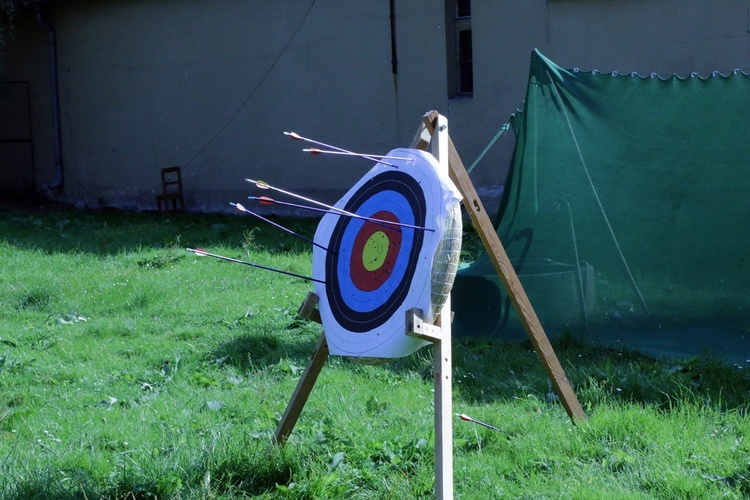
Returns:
<point x="369" y="272"/>
<point x="379" y="255"/>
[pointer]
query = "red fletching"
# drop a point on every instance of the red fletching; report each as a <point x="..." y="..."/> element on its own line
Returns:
<point x="265" y="200"/>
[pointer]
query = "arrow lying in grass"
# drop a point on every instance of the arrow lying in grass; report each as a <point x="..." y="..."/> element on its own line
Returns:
<point x="202" y="253"/>
<point x="467" y="418"/>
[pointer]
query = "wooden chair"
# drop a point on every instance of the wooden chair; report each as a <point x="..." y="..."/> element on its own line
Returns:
<point x="171" y="198"/>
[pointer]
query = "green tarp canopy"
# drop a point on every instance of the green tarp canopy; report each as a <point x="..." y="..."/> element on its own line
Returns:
<point x="626" y="213"/>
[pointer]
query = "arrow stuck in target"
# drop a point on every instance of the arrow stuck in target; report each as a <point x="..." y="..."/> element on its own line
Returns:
<point x="376" y="158"/>
<point x="316" y="151"/>
<point x="265" y="185"/>
<point x="265" y="200"/>
<point x="202" y="253"/>
<point x="241" y="208"/>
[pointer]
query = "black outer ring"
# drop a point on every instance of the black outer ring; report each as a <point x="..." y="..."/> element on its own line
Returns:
<point x="411" y="190"/>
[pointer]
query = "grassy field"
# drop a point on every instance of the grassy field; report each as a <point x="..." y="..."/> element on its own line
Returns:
<point x="129" y="368"/>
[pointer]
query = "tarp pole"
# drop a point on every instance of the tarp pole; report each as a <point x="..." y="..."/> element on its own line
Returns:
<point x="598" y="200"/>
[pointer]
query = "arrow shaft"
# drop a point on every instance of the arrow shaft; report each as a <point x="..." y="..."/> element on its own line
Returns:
<point x="263" y="185"/>
<point x="251" y="264"/>
<point x="381" y="222"/>
<point x="288" y="204"/>
<point x="296" y="136"/>
<point x="486" y="425"/>
<point x="348" y="153"/>
<point x="467" y="418"/>
<point x="279" y="226"/>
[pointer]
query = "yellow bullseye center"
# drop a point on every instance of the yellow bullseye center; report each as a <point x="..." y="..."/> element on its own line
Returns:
<point x="375" y="251"/>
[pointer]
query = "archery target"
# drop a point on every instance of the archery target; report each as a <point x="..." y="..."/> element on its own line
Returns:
<point x="378" y="259"/>
<point x="361" y="298"/>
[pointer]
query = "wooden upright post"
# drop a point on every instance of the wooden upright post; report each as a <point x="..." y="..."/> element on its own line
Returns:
<point x="443" y="358"/>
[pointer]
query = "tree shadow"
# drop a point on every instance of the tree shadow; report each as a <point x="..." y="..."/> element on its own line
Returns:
<point x="486" y="370"/>
<point x="258" y="347"/>
<point x="53" y="228"/>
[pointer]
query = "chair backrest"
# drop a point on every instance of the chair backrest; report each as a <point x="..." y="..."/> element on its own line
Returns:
<point x="171" y="180"/>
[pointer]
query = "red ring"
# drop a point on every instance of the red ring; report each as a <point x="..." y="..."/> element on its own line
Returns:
<point x="365" y="280"/>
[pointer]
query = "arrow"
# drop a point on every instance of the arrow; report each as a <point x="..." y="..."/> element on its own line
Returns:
<point x="202" y="253"/>
<point x="265" y="185"/>
<point x="467" y="418"/>
<point x="315" y="151"/>
<point x="265" y="200"/>
<point x="243" y="209"/>
<point x="298" y="137"/>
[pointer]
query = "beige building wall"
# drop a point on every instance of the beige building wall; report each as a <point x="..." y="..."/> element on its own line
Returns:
<point x="211" y="86"/>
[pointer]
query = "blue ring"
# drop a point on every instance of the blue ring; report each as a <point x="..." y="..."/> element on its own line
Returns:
<point x="363" y="301"/>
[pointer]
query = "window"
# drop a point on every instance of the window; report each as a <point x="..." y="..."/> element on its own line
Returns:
<point x="459" y="47"/>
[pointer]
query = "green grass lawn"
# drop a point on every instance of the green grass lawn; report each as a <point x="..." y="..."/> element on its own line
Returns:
<point x="130" y="368"/>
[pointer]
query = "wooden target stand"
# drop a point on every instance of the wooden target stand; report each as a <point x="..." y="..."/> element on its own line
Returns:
<point x="433" y="133"/>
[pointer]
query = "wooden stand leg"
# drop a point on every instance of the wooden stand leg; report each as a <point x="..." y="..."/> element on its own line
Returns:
<point x="301" y="393"/>
<point x="505" y="271"/>
<point x="309" y="376"/>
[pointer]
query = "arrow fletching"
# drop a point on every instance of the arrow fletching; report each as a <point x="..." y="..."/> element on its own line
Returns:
<point x="293" y="135"/>
<point x="264" y="200"/>
<point x="259" y="184"/>
<point x="315" y="151"/>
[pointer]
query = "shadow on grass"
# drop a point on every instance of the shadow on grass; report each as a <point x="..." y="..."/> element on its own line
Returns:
<point x="59" y="229"/>
<point x="258" y="346"/>
<point x="234" y="473"/>
<point x="484" y="371"/>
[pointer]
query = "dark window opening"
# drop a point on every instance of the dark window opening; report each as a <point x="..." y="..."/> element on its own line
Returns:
<point x="463" y="8"/>
<point x="459" y="48"/>
<point x="465" y="66"/>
